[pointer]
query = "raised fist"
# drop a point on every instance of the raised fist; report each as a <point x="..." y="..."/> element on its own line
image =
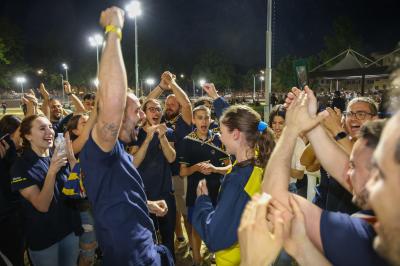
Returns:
<point x="112" y="16"/>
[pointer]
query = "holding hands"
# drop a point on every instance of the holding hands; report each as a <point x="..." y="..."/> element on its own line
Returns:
<point x="301" y="115"/>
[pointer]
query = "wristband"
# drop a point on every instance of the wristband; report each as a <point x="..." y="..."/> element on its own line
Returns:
<point x="340" y="135"/>
<point x="115" y="29"/>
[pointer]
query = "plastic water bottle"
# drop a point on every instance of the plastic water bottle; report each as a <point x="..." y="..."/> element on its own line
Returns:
<point x="59" y="143"/>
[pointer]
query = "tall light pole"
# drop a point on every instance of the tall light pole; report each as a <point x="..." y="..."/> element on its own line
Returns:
<point x="268" y="68"/>
<point x="21" y="80"/>
<point x="95" y="41"/>
<point x="134" y="10"/>
<point x="202" y="82"/>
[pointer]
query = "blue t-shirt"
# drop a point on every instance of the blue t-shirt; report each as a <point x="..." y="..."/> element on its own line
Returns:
<point x="115" y="189"/>
<point x="43" y="229"/>
<point x="155" y="170"/>
<point x="347" y="240"/>
<point x="181" y="129"/>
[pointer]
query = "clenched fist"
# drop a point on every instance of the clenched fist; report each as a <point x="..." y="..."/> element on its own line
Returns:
<point x="112" y="16"/>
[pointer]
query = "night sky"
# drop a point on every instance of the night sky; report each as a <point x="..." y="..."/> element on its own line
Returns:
<point x="181" y="29"/>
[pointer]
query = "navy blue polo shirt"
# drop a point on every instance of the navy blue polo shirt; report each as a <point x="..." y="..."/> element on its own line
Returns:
<point x="115" y="189"/>
<point x="194" y="150"/>
<point x="348" y="240"/>
<point x="181" y="129"/>
<point x="9" y="200"/>
<point x="44" y="229"/>
<point x="155" y="170"/>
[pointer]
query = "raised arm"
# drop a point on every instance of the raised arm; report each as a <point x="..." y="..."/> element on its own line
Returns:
<point x="325" y="149"/>
<point x="159" y="89"/>
<point x="112" y="80"/>
<point x="181" y="97"/>
<point x="79" y="107"/>
<point x="45" y="105"/>
<point x="276" y="176"/>
<point x="80" y="141"/>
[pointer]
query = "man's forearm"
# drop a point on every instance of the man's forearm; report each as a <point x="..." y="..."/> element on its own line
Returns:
<point x="168" y="150"/>
<point x="325" y="149"/>
<point x="141" y="153"/>
<point x="310" y="255"/>
<point x="155" y="93"/>
<point x="184" y="101"/>
<point x="112" y="93"/>
<point x="79" y="107"/>
<point x="277" y="173"/>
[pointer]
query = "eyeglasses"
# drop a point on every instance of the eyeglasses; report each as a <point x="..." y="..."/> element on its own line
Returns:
<point x="154" y="109"/>
<point x="360" y="115"/>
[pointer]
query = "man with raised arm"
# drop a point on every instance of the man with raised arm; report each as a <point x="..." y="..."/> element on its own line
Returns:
<point x="344" y="240"/>
<point x="114" y="187"/>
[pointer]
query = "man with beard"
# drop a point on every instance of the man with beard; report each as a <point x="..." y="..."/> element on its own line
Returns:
<point x="345" y="240"/>
<point x="178" y="116"/>
<point x="114" y="187"/>
<point x="54" y="110"/>
<point x="384" y="186"/>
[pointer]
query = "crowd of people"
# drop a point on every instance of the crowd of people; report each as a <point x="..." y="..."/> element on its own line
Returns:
<point x="120" y="179"/>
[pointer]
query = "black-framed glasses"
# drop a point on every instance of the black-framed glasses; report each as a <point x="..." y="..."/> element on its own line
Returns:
<point x="360" y="115"/>
<point x="154" y="109"/>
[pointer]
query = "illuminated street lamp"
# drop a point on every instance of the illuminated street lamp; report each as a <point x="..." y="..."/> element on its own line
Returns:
<point x="40" y="72"/>
<point x="95" y="82"/>
<point x="95" y="41"/>
<point x="134" y="10"/>
<point x="65" y="67"/>
<point x="202" y="82"/>
<point x="182" y="76"/>
<point x="21" y="80"/>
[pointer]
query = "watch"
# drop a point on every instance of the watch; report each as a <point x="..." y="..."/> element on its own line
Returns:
<point x="340" y="135"/>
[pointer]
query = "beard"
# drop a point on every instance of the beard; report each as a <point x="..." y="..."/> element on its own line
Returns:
<point x="170" y="114"/>
<point x="361" y="200"/>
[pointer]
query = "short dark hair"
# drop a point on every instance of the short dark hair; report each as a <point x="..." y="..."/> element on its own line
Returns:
<point x="89" y="96"/>
<point x="371" y="132"/>
<point x="202" y="101"/>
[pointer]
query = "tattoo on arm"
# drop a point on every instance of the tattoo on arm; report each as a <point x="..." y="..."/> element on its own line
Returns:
<point x="110" y="130"/>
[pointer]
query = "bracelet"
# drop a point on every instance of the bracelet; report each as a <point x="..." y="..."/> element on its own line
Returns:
<point x="115" y="29"/>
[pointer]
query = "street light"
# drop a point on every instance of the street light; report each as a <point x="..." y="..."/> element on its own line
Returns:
<point x="40" y="71"/>
<point x="150" y="82"/>
<point x="95" y="82"/>
<point x="202" y="82"/>
<point x="95" y="41"/>
<point x="65" y="66"/>
<point x="182" y="76"/>
<point x="21" y="80"/>
<point x="134" y="10"/>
